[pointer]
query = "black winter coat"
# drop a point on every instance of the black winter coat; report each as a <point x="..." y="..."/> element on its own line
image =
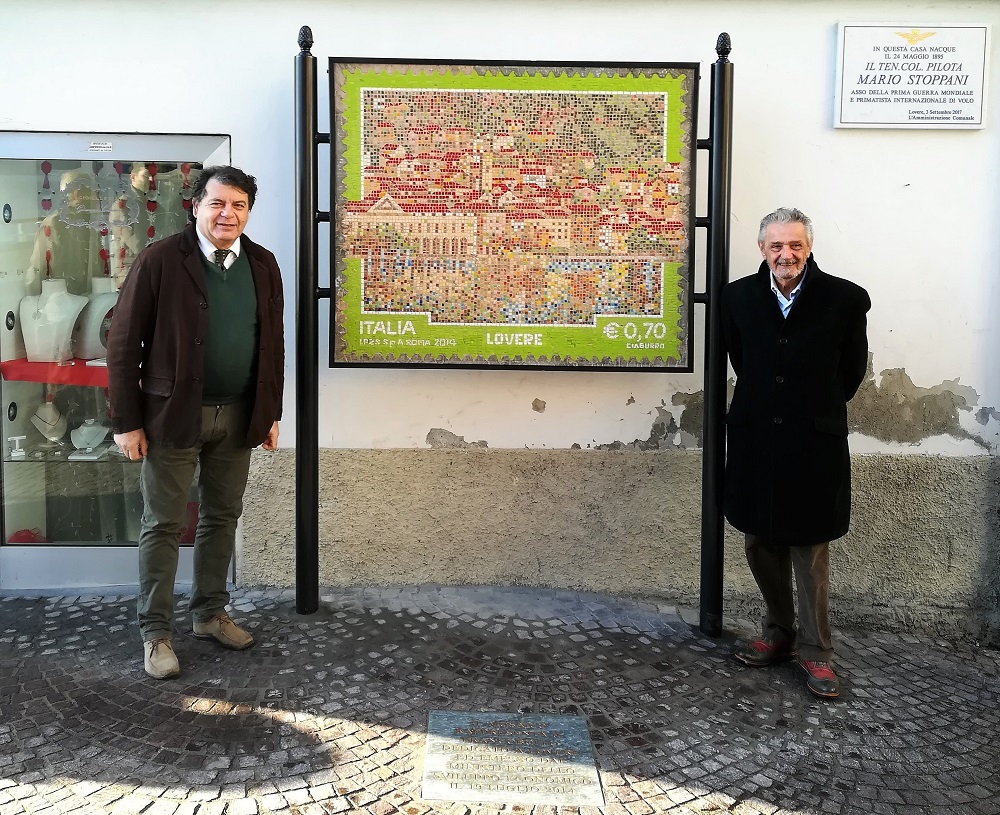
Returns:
<point x="788" y="469"/>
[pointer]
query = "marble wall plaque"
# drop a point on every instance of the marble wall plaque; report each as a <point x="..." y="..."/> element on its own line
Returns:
<point x="510" y="758"/>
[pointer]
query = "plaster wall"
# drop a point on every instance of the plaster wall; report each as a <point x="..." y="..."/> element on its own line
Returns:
<point x="591" y="479"/>
<point x="908" y="214"/>
<point x="922" y="553"/>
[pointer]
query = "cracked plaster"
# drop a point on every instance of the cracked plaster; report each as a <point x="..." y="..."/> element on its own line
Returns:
<point x="890" y="411"/>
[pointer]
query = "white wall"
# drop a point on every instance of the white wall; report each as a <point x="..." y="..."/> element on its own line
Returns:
<point x="911" y="215"/>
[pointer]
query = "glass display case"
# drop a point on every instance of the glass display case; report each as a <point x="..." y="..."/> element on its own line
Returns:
<point x="76" y="210"/>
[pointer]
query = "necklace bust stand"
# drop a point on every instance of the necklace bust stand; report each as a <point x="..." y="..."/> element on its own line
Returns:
<point x="88" y="440"/>
<point x="91" y="331"/>
<point x="47" y="322"/>
<point x="52" y="425"/>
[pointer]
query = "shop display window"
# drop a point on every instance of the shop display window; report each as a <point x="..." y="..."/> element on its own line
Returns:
<point x="76" y="210"/>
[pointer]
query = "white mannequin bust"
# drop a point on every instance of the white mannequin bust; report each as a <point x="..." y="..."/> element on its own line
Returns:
<point x="49" y="422"/>
<point x="91" y="328"/>
<point x="47" y="321"/>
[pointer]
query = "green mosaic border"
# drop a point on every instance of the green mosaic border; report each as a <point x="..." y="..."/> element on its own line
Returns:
<point x="412" y="338"/>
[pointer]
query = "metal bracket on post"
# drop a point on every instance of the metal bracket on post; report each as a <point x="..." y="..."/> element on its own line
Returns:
<point x="719" y="146"/>
<point x="306" y="332"/>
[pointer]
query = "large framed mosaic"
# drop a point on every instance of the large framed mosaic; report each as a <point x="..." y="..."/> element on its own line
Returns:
<point x="504" y="215"/>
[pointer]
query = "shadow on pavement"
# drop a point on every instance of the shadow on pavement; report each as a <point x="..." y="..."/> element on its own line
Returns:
<point x="330" y="710"/>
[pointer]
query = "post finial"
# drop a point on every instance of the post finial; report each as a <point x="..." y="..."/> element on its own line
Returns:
<point x="305" y="39"/>
<point x="723" y="46"/>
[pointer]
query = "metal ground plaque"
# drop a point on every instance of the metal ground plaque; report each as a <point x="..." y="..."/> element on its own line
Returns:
<point x="510" y="758"/>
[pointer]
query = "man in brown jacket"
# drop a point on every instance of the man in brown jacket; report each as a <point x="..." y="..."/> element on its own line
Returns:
<point x="196" y="374"/>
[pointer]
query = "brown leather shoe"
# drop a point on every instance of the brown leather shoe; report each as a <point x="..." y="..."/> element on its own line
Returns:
<point x="222" y="629"/>
<point x="159" y="659"/>
<point x="820" y="679"/>
<point x="760" y="653"/>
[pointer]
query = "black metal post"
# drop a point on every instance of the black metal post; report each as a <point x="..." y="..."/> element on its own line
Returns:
<point x="306" y="333"/>
<point x="717" y="262"/>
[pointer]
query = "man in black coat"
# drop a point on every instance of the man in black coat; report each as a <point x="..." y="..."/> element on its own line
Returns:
<point x="796" y="338"/>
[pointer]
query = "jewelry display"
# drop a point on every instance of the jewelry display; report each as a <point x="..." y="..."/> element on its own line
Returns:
<point x="77" y="209"/>
<point x="49" y="422"/>
<point x="16" y="449"/>
<point x="91" y="330"/>
<point x="47" y="322"/>
<point x="88" y="440"/>
<point x="88" y="435"/>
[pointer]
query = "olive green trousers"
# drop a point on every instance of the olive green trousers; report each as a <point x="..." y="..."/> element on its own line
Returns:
<point x="222" y="461"/>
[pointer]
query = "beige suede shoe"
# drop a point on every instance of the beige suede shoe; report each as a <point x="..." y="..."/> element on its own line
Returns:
<point x="159" y="659"/>
<point x="222" y="628"/>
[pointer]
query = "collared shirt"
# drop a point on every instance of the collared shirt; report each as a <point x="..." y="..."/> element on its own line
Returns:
<point x="785" y="303"/>
<point x="208" y="249"/>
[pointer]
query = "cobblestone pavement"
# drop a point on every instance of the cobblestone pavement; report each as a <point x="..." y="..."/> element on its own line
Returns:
<point x="327" y="713"/>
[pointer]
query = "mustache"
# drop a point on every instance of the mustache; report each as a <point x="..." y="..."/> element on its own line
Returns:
<point x="785" y="267"/>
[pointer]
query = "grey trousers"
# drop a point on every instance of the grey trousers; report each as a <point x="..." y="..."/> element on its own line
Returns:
<point x="772" y="566"/>
<point x="166" y="478"/>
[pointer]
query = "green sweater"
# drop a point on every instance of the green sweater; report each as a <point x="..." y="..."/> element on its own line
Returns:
<point x="231" y="344"/>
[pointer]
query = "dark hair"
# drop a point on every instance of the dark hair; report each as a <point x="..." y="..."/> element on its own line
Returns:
<point x="231" y="177"/>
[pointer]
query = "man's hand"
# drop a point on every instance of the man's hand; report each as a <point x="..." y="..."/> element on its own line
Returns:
<point x="133" y="444"/>
<point x="271" y="442"/>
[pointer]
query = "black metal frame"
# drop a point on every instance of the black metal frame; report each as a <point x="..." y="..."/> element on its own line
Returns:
<point x="308" y="293"/>
<point x="713" y="462"/>
<point x="307" y="297"/>
<point x="691" y="223"/>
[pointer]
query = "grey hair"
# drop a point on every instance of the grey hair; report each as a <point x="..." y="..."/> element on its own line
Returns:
<point x="786" y="215"/>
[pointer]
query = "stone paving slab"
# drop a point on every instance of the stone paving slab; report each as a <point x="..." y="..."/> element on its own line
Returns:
<point x="328" y="713"/>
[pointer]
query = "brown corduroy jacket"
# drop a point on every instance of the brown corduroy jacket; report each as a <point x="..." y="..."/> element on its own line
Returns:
<point x="156" y="348"/>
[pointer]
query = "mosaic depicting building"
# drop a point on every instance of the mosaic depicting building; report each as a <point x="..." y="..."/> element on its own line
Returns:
<point x="514" y="207"/>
